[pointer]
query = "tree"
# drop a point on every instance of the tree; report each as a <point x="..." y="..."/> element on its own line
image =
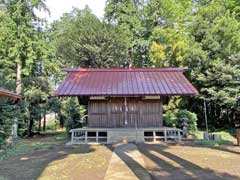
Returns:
<point x="27" y="56"/>
<point x="203" y="35"/>
<point x="169" y="47"/>
<point x="216" y="31"/>
<point x="81" y="39"/>
<point x="129" y="16"/>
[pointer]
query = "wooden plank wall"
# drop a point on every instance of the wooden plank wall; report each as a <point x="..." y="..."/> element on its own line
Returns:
<point x="111" y="113"/>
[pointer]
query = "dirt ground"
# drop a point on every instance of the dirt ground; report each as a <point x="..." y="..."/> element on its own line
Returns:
<point x="184" y="162"/>
<point x="60" y="162"/>
<point x="90" y="162"/>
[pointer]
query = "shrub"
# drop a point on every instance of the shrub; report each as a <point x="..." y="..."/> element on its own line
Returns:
<point x="1" y="141"/>
<point x="52" y="125"/>
<point x="175" y="118"/>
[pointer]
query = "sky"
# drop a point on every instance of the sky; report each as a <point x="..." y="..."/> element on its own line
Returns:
<point x="58" y="7"/>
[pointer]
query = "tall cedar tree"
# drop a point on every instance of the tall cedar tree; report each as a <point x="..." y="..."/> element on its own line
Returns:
<point x="81" y="39"/>
<point x="26" y="56"/>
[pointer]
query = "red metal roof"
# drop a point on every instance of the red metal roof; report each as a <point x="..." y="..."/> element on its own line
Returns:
<point x="125" y="82"/>
<point x="4" y="93"/>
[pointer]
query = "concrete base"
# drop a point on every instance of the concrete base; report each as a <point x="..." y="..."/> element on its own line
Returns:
<point x="125" y="136"/>
<point x="117" y="135"/>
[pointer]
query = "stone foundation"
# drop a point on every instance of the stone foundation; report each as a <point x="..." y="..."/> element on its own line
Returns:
<point x="125" y="136"/>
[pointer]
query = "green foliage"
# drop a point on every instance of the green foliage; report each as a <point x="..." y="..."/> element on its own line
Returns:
<point x="173" y="46"/>
<point x="53" y="125"/>
<point x="81" y="39"/>
<point x="203" y="35"/>
<point x="129" y="16"/>
<point x="7" y="115"/>
<point x="72" y="113"/>
<point x="26" y="48"/>
<point x="9" y="111"/>
<point x="175" y="118"/>
<point x="228" y="137"/>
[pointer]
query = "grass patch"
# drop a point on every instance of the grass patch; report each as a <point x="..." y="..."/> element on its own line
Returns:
<point x="228" y="134"/>
<point x="29" y="145"/>
<point x="3" y="178"/>
<point x="227" y="138"/>
<point x="196" y="134"/>
<point x="203" y="142"/>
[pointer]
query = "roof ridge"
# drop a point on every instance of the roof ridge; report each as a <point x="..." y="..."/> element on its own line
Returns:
<point x="165" y="69"/>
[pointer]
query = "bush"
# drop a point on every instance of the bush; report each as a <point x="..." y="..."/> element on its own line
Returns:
<point x="52" y="125"/>
<point x="72" y="114"/>
<point x="175" y="118"/>
<point x="1" y="141"/>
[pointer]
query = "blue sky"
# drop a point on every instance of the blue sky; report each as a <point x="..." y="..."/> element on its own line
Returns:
<point x="58" y="7"/>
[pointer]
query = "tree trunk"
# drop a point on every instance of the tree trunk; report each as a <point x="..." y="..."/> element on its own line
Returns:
<point x="18" y="78"/>
<point x="18" y="91"/>
<point x="30" y="133"/>
<point x="61" y="121"/>
<point x="39" y="125"/>
<point x="44" y="121"/>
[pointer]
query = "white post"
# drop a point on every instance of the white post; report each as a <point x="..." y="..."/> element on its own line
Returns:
<point x="86" y="136"/>
<point x="72" y="136"/>
<point x="154" y="136"/>
<point x="165" y="135"/>
<point x="206" y="120"/>
<point x="179" y="136"/>
<point x="97" y="136"/>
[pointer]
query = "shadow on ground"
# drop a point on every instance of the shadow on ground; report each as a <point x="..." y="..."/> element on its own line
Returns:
<point x="162" y="162"/>
<point x="165" y="165"/>
<point x="180" y="162"/>
<point x="59" y="162"/>
<point x="166" y="162"/>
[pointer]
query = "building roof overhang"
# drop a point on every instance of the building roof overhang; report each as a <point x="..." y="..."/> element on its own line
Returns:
<point x="7" y="94"/>
<point x="120" y="82"/>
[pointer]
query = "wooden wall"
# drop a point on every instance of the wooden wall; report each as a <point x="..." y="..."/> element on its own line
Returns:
<point x="141" y="113"/>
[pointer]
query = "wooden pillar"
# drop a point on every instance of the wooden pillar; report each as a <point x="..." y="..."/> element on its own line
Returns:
<point x="112" y="121"/>
<point x="140" y="123"/>
<point x="89" y="114"/>
<point x="161" y="112"/>
<point x="125" y="111"/>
